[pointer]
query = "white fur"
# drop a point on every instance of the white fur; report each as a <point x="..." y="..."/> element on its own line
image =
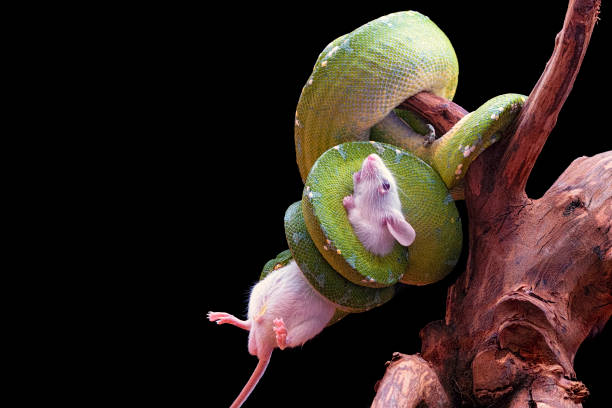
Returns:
<point x="285" y="294"/>
<point x="372" y="234"/>
<point x="376" y="215"/>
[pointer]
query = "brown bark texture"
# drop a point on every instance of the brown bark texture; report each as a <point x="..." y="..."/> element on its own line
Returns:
<point x="442" y="113"/>
<point x="538" y="280"/>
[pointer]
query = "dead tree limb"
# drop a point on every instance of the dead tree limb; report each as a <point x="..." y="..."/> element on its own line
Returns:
<point x="538" y="279"/>
<point x="410" y="378"/>
<point x="442" y="113"/>
<point x="539" y="115"/>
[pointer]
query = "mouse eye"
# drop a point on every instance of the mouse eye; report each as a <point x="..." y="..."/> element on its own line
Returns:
<point x="386" y="185"/>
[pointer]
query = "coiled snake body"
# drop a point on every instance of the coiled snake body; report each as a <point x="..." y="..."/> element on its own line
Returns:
<point x="346" y="111"/>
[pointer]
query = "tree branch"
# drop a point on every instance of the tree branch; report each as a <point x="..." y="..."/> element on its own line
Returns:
<point x="539" y="115"/>
<point x="440" y="112"/>
<point x="410" y="382"/>
<point x="510" y="163"/>
<point x="538" y="279"/>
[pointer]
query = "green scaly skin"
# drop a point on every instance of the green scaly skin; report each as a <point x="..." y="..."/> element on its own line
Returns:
<point x="281" y="260"/>
<point x="452" y="154"/>
<point x="426" y="205"/>
<point x="362" y="76"/>
<point x="357" y="82"/>
<point x="347" y="296"/>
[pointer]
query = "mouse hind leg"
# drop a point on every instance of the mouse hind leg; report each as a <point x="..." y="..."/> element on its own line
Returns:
<point x="281" y="333"/>
<point x="226" y="318"/>
<point x="300" y="333"/>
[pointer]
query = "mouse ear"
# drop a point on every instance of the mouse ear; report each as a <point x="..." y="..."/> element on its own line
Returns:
<point x="401" y="230"/>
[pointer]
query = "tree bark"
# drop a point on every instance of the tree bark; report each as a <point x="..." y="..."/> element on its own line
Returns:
<point x="441" y="112"/>
<point x="538" y="279"/>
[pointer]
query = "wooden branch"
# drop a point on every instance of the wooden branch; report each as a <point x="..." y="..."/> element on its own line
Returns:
<point x="410" y="382"/>
<point x="539" y="115"/>
<point x="538" y="279"/>
<point x="551" y="391"/>
<point x="440" y="112"/>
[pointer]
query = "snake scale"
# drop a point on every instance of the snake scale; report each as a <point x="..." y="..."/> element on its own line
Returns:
<point x="347" y="110"/>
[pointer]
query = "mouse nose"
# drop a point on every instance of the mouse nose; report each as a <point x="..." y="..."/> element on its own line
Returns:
<point x="372" y="157"/>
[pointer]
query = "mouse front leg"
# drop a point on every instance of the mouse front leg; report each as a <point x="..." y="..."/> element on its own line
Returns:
<point x="223" y="318"/>
<point x="348" y="202"/>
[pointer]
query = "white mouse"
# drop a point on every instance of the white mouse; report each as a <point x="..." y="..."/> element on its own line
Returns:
<point x="284" y="311"/>
<point x="374" y="209"/>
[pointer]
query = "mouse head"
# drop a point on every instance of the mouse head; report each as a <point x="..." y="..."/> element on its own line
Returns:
<point x="374" y="181"/>
<point x="376" y="196"/>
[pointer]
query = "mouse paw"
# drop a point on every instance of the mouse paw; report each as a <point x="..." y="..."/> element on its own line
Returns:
<point x="348" y="202"/>
<point x="223" y="318"/>
<point x="219" y="317"/>
<point x="281" y="333"/>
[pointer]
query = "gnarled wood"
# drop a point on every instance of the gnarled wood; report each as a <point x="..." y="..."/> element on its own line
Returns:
<point x="511" y="161"/>
<point x="539" y="275"/>
<point x="410" y="382"/>
<point x="539" y="280"/>
<point x="539" y="115"/>
<point x="440" y="112"/>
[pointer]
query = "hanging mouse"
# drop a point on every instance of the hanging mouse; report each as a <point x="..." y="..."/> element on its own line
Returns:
<point x="284" y="311"/>
<point x="374" y="209"/>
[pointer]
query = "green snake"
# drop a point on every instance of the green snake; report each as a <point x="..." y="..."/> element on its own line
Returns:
<point x="347" y="110"/>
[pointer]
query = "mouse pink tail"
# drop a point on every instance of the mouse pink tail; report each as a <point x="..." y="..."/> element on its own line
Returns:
<point x="250" y="385"/>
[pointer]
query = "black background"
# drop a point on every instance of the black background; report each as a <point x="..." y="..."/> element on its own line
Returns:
<point x="256" y="60"/>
